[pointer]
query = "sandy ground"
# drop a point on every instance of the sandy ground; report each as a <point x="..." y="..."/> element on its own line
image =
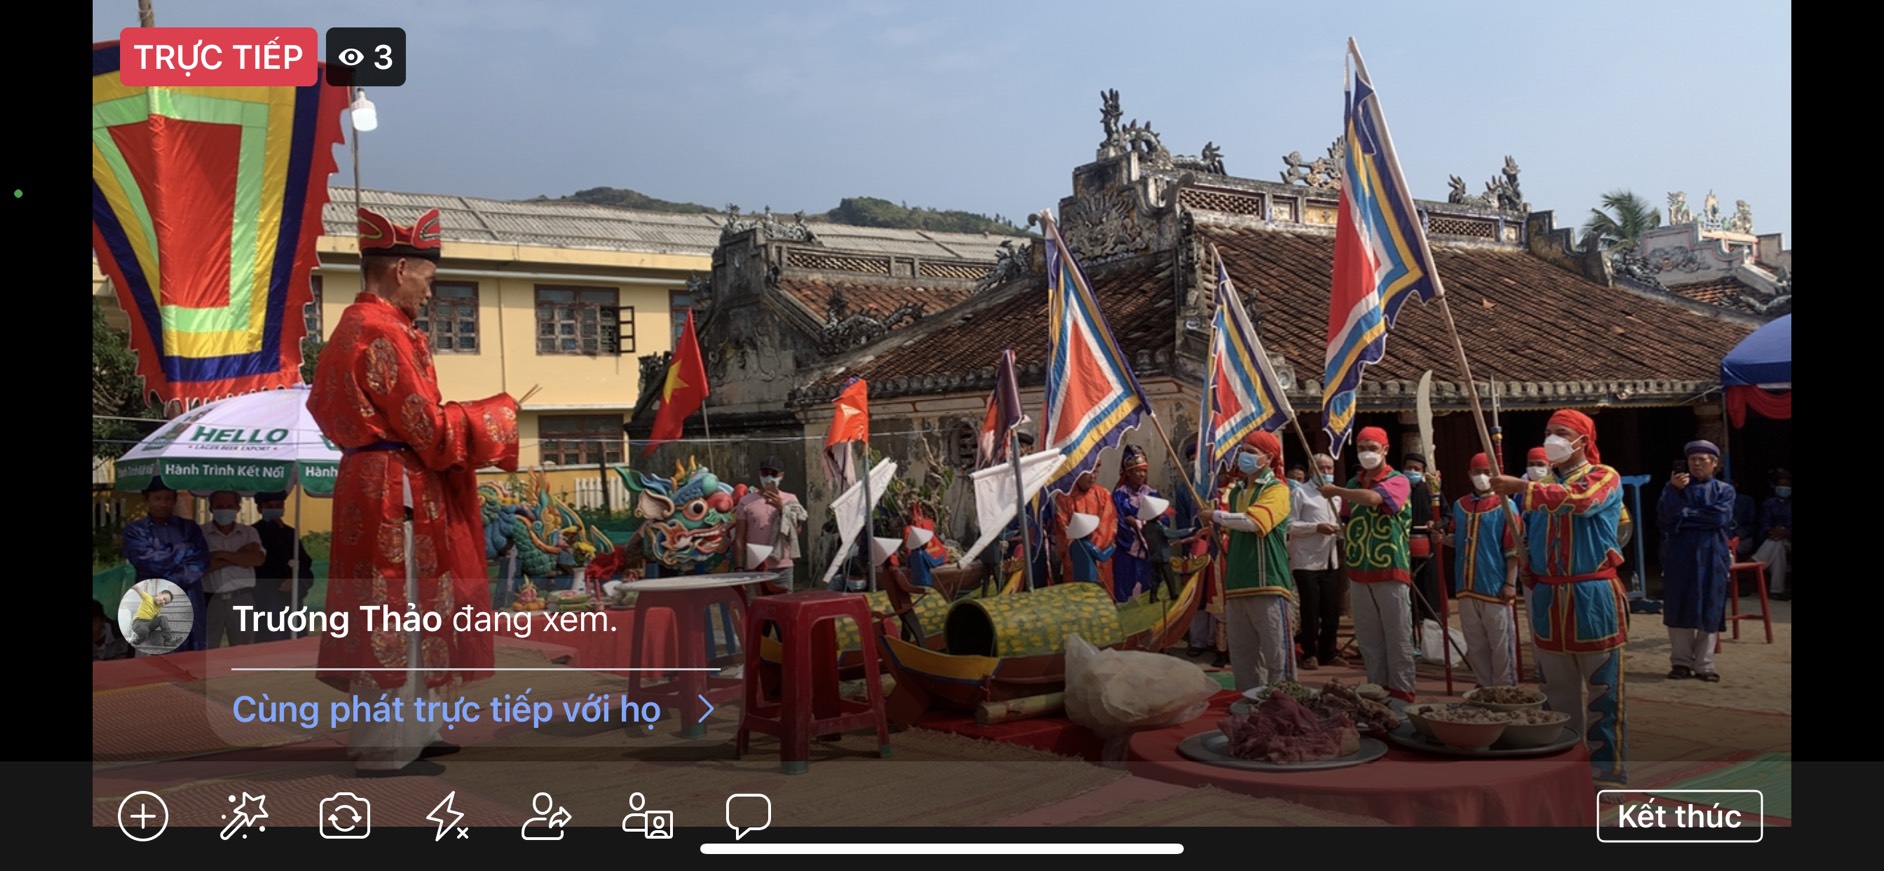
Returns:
<point x="1754" y="675"/>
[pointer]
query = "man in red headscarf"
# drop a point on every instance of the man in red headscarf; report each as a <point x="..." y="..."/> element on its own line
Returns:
<point x="1379" y="513"/>
<point x="408" y="527"/>
<point x="1485" y="577"/>
<point x="1259" y="589"/>
<point x="1579" y="618"/>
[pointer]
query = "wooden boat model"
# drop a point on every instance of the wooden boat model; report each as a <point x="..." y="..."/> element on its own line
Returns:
<point x="930" y="608"/>
<point x="1013" y="646"/>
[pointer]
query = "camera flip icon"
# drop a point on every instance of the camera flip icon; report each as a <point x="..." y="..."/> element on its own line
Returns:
<point x="345" y="816"/>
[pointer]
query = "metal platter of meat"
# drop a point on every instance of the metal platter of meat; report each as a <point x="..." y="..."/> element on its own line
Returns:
<point x="1282" y="731"/>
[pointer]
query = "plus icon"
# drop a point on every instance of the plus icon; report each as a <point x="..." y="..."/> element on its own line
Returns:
<point x="141" y="803"/>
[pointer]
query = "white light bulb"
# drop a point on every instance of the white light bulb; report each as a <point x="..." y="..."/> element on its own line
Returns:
<point x="365" y="118"/>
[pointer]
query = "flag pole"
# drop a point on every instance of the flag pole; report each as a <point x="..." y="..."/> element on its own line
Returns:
<point x="1020" y="508"/>
<point x="870" y="510"/>
<point x="1471" y="387"/>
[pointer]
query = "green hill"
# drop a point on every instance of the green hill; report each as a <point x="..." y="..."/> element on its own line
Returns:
<point x="851" y="211"/>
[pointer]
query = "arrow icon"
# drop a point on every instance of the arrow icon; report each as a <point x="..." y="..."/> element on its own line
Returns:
<point x="445" y="816"/>
<point x="560" y="818"/>
<point x="709" y="710"/>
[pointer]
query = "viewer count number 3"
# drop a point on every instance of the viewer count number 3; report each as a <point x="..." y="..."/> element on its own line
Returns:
<point x="366" y="57"/>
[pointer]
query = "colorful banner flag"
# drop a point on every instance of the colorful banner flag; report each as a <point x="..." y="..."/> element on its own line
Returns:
<point x="1093" y="398"/>
<point x="849" y="423"/>
<point x="206" y="205"/>
<point x="1381" y="258"/>
<point x="1004" y="413"/>
<point x="685" y="391"/>
<point x="1241" y="387"/>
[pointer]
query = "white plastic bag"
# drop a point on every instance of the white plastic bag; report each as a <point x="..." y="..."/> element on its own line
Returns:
<point x="1431" y="643"/>
<point x="1113" y="692"/>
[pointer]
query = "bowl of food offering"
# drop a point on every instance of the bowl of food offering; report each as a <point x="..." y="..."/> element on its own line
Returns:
<point x="1507" y="699"/>
<point x="1416" y="714"/>
<point x="1467" y="727"/>
<point x="1533" y="728"/>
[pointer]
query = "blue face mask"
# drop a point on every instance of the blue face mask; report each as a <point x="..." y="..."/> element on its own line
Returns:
<point x="1783" y="492"/>
<point x="1416" y="477"/>
<point x="1246" y="463"/>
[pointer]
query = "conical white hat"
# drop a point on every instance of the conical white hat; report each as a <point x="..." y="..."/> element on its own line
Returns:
<point x="1081" y="526"/>
<point x="917" y="538"/>
<point x="881" y="549"/>
<point x="1151" y="508"/>
<point x="756" y="554"/>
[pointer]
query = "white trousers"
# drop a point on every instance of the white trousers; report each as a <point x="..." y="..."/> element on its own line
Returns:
<point x="1260" y="640"/>
<point x="1383" y="629"/>
<point x="1692" y="648"/>
<point x="1489" y="647"/>
<point x="391" y="746"/>
<point x="1775" y="553"/>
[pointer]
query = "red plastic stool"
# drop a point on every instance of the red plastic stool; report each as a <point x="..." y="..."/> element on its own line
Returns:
<point x="1758" y="571"/>
<point x="808" y="702"/>
<point x="693" y="626"/>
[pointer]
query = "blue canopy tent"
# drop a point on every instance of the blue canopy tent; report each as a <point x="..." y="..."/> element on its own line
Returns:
<point x="1757" y="374"/>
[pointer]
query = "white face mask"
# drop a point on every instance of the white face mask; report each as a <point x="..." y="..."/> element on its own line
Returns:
<point x="1558" y="448"/>
<point x="1537" y="473"/>
<point x="1482" y="482"/>
<point x="224" y="516"/>
<point x="1370" y="459"/>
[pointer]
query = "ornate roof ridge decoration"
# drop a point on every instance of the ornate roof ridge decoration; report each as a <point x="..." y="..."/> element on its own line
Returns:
<point x="1710" y="219"/>
<point x="1141" y="140"/>
<point x="797" y="231"/>
<point x="1501" y="193"/>
<point x="1322" y="173"/>
<point x="844" y="330"/>
<point x="1012" y="262"/>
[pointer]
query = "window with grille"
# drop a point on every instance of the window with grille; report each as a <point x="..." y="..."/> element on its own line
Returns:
<point x="580" y="439"/>
<point x="451" y="318"/>
<point x="311" y="313"/>
<point x="582" y="320"/>
<point x="679" y="303"/>
<point x="967" y="447"/>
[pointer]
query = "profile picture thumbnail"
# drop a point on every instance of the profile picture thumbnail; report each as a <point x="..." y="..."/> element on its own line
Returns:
<point x="155" y="616"/>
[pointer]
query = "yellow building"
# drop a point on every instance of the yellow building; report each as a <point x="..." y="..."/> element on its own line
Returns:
<point x="562" y="296"/>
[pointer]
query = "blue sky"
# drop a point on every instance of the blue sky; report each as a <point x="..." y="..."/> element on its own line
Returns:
<point x="987" y="106"/>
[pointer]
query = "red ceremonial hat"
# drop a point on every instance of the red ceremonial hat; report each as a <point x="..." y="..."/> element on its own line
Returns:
<point x="1582" y="425"/>
<point x="1536" y="455"/>
<point x="1480" y="461"/>
<point x="379" y="235"/>
<point x="1372" y="434"/>
<point x="1268" y="443"/>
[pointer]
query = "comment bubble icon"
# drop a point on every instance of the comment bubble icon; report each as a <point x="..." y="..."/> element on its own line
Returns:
<point x="748" y="812"/>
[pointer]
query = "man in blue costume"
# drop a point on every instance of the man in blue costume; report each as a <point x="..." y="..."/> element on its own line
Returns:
<point x="1131" y="568"/>
<point x="1579" y="617"/>
<point x="163" y="545"/>
<point x="1697" y="515"/>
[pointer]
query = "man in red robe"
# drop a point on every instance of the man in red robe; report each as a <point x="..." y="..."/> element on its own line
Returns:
<point x="408" y="526"/>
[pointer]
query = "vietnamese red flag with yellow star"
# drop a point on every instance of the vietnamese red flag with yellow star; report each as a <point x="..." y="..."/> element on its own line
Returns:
<point x="685" y="391"/>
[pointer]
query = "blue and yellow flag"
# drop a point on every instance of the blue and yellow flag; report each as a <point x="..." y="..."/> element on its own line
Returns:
<point x="206" y="205"/>
<point x="1093" y="398"/>
<point x="1242" y="394"/>
<point x="1381" y="256"/>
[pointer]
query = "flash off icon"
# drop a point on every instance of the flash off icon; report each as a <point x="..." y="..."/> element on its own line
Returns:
<point x="366" y="57"/>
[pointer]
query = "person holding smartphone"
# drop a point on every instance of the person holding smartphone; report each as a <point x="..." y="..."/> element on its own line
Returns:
<point x="1697" y="518"/>
<point x="771" y="517"/>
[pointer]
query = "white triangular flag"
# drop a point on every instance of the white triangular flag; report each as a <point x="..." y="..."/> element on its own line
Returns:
<point x="850" y="512"/>
<point x="995" y="503"/>
<point x="756" y="555"/>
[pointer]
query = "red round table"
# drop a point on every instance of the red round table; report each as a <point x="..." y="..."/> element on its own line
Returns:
<point x="1405" y="787"/>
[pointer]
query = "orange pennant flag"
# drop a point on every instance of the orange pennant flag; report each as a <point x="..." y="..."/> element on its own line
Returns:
<point x="851" y="422"/>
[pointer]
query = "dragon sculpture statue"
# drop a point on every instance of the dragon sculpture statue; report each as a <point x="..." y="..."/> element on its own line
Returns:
<point x="686" y="518"/>
<point x="535" y="522"/>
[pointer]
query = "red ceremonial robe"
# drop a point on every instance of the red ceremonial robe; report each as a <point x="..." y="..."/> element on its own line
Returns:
<point x="375" y="388"/>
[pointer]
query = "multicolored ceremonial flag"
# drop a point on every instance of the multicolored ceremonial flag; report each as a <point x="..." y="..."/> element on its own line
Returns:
<point x="1004" y="413"/>
<point x="1242" y="394"/>
<point x="684" y="392"/>
<point x="1381" y="259"/>
<point x="206" y="204"/>
<point x="850" y="422"/>
<point x="1093" y="398"/>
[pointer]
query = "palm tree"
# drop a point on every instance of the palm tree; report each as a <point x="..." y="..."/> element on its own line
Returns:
<point x="1632" y="217"/>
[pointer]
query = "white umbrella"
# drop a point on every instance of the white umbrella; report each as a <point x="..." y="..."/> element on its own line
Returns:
<point x="255" y="443"/>
<point x="262" y="442"/>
